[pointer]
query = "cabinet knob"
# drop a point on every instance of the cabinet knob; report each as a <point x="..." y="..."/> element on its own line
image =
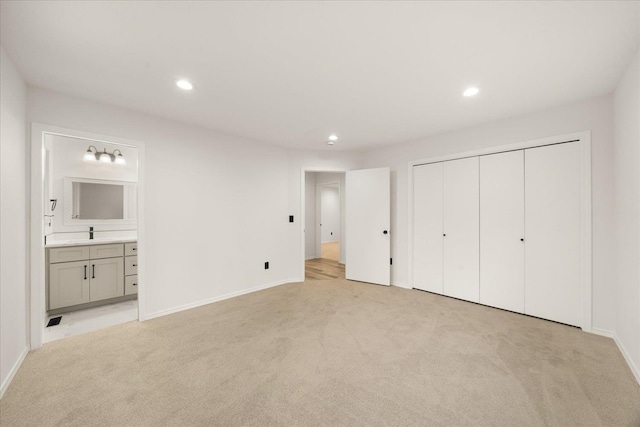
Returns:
<point x="134" y="249"/>
<point x="134" y="265"/>
<point x="522" y="240"/>
<point x="385" y="232"/>
<point x="135" y="284"/>
<point x="444" y="235"/>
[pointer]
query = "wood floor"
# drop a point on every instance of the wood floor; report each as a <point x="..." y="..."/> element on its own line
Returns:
<point x="326" y="267"/>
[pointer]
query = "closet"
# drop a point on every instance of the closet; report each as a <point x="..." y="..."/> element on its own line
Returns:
<point x="503" y="230"/>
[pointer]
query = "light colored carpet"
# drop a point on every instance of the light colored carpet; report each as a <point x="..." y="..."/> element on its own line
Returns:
<point x="328" y="353"/>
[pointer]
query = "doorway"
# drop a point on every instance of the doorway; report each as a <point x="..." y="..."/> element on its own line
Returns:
<point x="86" y="269"/>
<point x="324" y="225"/>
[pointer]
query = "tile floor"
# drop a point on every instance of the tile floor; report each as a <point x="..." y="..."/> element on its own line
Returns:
<point x="91" y="319"/>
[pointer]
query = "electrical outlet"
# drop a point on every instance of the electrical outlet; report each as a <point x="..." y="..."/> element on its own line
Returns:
<point x="266" y="265"/>
<point x="290" y="218"/>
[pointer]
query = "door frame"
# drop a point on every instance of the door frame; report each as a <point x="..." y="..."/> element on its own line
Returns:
<point x="303" y="172"/>
<point x="318" y="229"/>
<point x="36" y="269"/>
<point x="586" y="272"/>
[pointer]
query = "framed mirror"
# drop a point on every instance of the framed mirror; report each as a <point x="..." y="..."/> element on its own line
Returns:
<point x="99" y="201"/>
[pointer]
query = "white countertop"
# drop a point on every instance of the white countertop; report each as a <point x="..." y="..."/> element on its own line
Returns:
<point x="86" y="242"/>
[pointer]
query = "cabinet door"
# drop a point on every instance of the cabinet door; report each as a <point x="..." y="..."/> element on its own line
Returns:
<point x="501" y="230"/>
<point x="552" y="233"/>
<point x="68" y="284"/>
<point x="462" y="229"/>
<point x="427" y="227"/>
<point x="107" y="278"/>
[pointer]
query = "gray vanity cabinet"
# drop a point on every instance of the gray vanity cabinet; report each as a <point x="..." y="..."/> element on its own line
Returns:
<point x="68" y="284"/>
<point x="86" y="274"/>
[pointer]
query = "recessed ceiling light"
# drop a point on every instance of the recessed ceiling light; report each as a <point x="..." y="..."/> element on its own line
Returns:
<point x="184" y="84"/>
<point x="471" y="91"/>
<point x="333" y="137"/>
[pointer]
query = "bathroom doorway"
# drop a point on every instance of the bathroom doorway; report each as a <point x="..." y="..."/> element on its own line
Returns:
<point x="87" y="251"/>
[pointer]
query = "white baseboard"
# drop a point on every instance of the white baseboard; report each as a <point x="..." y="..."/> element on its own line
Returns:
<point x="401" y="285"/>
<point x="634" y="369"/>
<point x="310" y="257"/>
<point x="215" y="299"/>
<point x="13" y="371"/>
<point x="627" y="358"/>
<point x="603" y="332"/>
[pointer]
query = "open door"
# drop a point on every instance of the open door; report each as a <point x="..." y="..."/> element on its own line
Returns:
<point x="368" y="216"/>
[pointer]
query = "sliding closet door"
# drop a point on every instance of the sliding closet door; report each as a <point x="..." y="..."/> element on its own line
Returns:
<point x="502" y="230"/>
<point x="427" y="227"/>
<point x="461" y="229"/>
<point x="552" y="233"/>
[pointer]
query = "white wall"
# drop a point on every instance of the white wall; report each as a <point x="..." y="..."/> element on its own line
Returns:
<point x="330" y="214"/>
<point x="627" y="220"/>
<point x="310" y="216"/>
<point x="13" y="222"/>
<point x="593" y="114"/>
<point x="217" y="207"/>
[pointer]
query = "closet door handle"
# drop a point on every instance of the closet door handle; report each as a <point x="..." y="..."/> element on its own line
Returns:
<point x="385" y="232"/>
<point x="522" y="240"/>
<point x="135" y="284"/>
<point x="93" y="271"/>
<point x="134" y="265"/>
<point x="444" y="235"/>
<point x="85" y="272"/>
<point x="134" y="249"/>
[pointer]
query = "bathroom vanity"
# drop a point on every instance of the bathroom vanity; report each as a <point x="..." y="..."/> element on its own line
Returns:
<point x="85" y="274"/>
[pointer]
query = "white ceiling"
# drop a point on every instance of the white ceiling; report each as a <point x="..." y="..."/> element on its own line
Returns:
<point x="291" y="73"/>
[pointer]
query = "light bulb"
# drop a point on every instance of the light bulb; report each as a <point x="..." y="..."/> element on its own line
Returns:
<point x="333" y="137"/>
<point x="105" y="158"/>
<point x="89" y="156"/>
<point x="121" y="160"/>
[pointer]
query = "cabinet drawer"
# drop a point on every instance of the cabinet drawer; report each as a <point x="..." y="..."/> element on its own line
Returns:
<point x="107" y="251"/>
<point x="75" y="253"/>
<point x="131" y="285"/>
<point x="130" y="265"/>
<point x="130" y="249"/>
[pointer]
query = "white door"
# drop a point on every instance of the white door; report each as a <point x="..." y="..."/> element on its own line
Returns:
<point x="368" y="217"/>
<point x="552" y="233"/>
<point x="502" y="230"/>
<point x="427" y="227"/>
<point x="462" y="229"/>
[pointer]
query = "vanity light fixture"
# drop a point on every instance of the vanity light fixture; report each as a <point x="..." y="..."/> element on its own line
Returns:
<point x="104" y="157"/>
<point x="332" y="139"/>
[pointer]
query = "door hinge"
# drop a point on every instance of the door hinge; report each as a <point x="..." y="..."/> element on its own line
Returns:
<point x="391" y="261"/>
